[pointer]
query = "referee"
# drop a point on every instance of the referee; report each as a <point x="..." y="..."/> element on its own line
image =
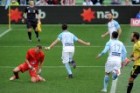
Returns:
<point x="31" y="13"/>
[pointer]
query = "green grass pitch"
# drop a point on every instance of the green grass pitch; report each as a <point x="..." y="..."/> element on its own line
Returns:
<point x="88" y="76"/>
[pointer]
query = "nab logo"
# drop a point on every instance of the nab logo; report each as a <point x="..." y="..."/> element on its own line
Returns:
<point x="102" y="14"/>
<point x="135" y="22"/>
<point x="42" y="14"/>
<point x="90" y="14"/>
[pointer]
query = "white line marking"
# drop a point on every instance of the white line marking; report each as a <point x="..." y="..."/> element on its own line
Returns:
<point x="59" y="46"/>
<point x="114" y="86"/>
<point x="5" y="32"/>
<point x="58" y="66"/>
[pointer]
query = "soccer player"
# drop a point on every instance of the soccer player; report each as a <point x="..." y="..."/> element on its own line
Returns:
<point x="67" y="38"/>
<point x="33" y="64"/>
<point x="136" y="58"/>
<point x="117" y="53"/>
<point x="112" y="26"/>
<point x="31" y="12"/>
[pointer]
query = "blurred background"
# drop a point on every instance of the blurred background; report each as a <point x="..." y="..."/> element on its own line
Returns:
<point x="73" y="2"/>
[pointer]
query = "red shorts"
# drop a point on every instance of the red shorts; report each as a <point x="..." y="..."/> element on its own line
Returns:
<point x="24" y="67"/>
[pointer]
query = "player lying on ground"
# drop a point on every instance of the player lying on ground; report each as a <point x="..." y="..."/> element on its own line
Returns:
<point x="117" y="53"/>
<point x="67" y="39"/>
<point x="33" y="64"/>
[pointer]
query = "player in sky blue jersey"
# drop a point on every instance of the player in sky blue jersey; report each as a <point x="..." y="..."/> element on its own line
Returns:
<point x="67" y="38"/>
<point x="117" y="54"/>
<point x="113" y="25"/>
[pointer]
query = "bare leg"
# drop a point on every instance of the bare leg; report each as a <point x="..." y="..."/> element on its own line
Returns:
<point x="15" y="72"/>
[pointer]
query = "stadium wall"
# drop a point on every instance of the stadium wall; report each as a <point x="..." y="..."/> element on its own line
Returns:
<point x="72" y="14"/>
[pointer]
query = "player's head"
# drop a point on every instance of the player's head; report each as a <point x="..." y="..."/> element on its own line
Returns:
<point x="38" y="48"/>
<point x="31" y="2"/>
<point x="114" y="35"/>
<point x="64" y="26"/>
<point x="109" y="16"/>
<point x="135" y="36"/>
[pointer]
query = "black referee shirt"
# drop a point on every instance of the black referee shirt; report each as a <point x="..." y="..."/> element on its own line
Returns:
<point x="31" y="12"/>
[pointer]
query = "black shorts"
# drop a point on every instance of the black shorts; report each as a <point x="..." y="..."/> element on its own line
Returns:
<point x="135" y="71"/>
<point x="31" y="23"/>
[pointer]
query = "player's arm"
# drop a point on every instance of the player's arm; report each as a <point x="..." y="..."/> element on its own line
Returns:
<point x="54" y="42"/>
<point x="119" y="30"/>
<point x="125" y="60"/>
<point x="24" y="15"/>
<point x="134" y="58"/>
<point x="105" y="34"/>
<point x="104" y="51"/>
<point x="124" y="53"/>
<point x="41" y="63"/>
<point x="40" y="66"/>
<point x="52" y="45"/>
<point x="37" y="14"/>
<point x="80" y="41"/>
<point x="83" y="42"/>
<point x="27" y="60"/>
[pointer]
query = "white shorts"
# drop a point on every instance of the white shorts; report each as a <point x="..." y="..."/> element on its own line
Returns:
<point x="111" y="66"/>
<point x="67" y="57"/>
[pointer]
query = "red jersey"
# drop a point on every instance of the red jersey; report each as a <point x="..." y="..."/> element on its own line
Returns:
<point x="34" y="58"/>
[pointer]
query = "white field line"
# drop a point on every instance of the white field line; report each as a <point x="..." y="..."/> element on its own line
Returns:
<point x="5" y="32"/>
<point x="60" y="46"/>
<point x="114" y="86"/>
<point x="58" y="66"/>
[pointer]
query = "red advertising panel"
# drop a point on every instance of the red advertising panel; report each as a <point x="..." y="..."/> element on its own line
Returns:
<point x="135" y="22"/>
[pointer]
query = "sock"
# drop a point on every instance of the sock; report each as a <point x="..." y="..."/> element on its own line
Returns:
<point x="106" y="80"/>
<point x="29" y="35"/>
<point x="37" y="34"/>
<point x="72" y="61"/>
<point x="114" y="76"/>
<point x="67" y="66"/>
<point x="16" y="75"/>
<point x="129" y="88"/>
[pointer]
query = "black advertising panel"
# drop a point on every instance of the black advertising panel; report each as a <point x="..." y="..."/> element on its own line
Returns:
<point x="3" y="15"/>
<point x="73" y="14"/>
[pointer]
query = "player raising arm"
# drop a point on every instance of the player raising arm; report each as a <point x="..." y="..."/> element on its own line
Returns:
<point x="112" y="26"/>
<point x="67" y="39"/>
<point x="117" y="53"/>
<point x="33" y="64"/>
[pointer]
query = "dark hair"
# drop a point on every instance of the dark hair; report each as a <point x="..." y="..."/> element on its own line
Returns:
<point x="115" y="35"/>
<point x="136" y="35"/>
<point x="64" y="26"/>
<point x="39" y="46"/>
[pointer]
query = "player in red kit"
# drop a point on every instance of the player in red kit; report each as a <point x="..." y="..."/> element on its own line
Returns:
<point x="33" y="64"/>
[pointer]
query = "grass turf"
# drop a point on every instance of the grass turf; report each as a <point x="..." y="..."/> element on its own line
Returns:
<point x="13" y="47"/>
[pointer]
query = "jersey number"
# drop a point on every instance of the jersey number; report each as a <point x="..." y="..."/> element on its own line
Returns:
<point x="116" y="48"/>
